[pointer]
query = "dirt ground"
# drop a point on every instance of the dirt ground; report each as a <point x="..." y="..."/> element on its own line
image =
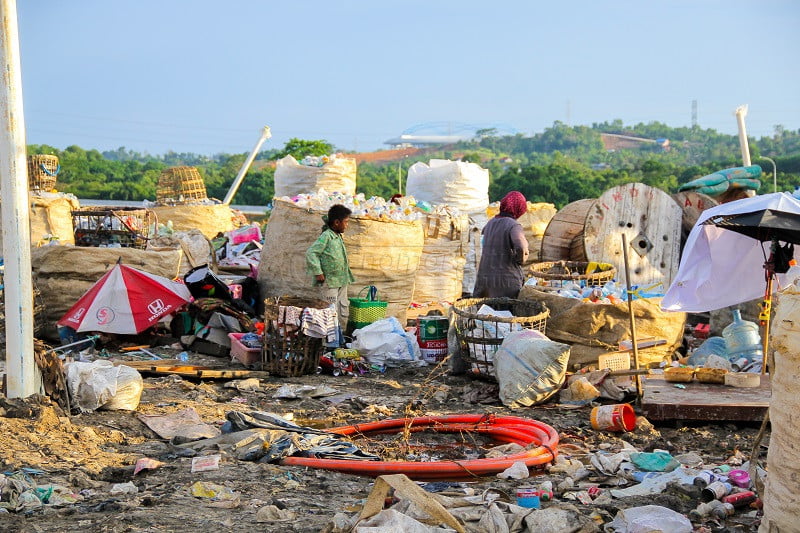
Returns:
<point x="89" y="453"/>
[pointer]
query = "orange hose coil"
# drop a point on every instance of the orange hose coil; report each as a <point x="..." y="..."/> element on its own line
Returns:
<point x="541" y="438"/>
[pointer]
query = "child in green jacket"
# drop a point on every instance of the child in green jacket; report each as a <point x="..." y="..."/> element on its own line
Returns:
<point x="326" y="260"/>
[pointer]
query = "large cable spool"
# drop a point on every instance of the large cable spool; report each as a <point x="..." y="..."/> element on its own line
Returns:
<point x="692" y="203"/>
<point x="651" y="221"/>
<point x="561" y="240"/>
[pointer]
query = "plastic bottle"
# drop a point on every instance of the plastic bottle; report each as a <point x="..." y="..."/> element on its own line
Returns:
<point x="742" y="339"/>
<point x="183" y="356"/>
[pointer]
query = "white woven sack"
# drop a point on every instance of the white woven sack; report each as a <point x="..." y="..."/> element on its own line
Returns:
<point x="464" y="186"/>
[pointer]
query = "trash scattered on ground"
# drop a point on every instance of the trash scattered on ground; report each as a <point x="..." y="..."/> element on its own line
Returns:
<point x="205" y="463"/>
<point x="184" y="425"/>
<point x="293" y="392"/>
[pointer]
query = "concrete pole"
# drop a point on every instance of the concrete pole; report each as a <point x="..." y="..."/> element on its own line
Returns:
<point x="265" y="134"/>
<point x="740" y="113"/>
<point x="21" y="377"/>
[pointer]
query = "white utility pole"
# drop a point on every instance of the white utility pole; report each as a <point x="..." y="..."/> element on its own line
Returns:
<point x="740" y="113"/>
<point x="21" y="377"/>
<point x="265" y="134"/>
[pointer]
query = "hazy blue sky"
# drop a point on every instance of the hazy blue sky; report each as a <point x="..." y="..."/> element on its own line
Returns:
<point x="205" y="76"/>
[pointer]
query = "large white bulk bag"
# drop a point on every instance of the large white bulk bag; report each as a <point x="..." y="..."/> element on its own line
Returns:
<point x="337" y="175"/>
<point x="464" y="186"/>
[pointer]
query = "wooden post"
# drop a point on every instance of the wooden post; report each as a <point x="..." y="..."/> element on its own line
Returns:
<point x="634" y="343"/>
<point x="22" y="372"/>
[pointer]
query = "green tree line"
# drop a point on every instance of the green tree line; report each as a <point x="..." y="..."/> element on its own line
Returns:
<point x="559" y="165"/>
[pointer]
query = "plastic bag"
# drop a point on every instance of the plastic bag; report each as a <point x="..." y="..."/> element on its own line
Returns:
<point x="100" y="384"/>
<point x="529" y="368"/>
<point x="385" y="343"/>
<point x="711" y="346"/>
<point x="649" y="518"/>
<point x="654" y="461"/>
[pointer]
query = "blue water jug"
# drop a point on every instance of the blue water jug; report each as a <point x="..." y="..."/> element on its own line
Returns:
<point x="742" y="339"/>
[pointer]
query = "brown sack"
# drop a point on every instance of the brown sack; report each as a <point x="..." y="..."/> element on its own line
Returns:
<point x="594" y="329"/>
<point x="53" y="216"/>
<point x="208" y="218"/>
<point x="441" y="268"/>
<point x="384" y="253"/>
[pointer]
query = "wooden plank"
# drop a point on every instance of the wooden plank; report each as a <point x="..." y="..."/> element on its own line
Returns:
<point x="204" y="374"/>
<point x="661" y="400"/>
<point x="167" y="367"/>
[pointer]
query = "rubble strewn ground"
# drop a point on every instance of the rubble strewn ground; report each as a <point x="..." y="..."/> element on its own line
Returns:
<point x="90" y="453"/>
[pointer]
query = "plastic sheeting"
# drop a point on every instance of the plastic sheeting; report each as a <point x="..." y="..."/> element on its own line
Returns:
<point x="720" y="267"/>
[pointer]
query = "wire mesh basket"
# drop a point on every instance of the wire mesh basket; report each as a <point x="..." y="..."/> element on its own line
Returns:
<point x="556" y="274"/>
<point x="287" y="351"/>
<point x="124" y="227"/>
<point x="180" y="185"/>
<point x="480" y="334"/>
<point x="43" y="171"/>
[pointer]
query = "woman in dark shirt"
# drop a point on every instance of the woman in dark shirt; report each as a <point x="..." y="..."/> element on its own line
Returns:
<point x="505" y="249"/>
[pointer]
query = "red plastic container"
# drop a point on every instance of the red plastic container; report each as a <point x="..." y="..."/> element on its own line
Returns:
<point x="619" y="417"/>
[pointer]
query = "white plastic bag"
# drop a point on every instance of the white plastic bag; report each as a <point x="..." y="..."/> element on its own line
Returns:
<point x="385" y="342"/>
<point x="529" y="368"/>
<point x="100" y="384"/>
<point x="649" y="519"/>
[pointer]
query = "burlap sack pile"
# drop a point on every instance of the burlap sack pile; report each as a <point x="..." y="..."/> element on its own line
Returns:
<point x="594" y="329"/>
<point x="441" y="268"/>
<point x="781" y="498"/>
<point x="51" y="215"/>
<point x="383" y="253"/>
<point x="208" y="218"/>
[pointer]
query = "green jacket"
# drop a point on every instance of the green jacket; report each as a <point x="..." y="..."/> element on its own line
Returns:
<point x="328" y="256"/>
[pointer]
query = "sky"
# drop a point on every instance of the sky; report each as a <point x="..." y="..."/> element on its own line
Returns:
<point x="205" y="76"/>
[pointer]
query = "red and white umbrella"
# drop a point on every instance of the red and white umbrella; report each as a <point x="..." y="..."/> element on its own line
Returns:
<point x="125" y="301"/>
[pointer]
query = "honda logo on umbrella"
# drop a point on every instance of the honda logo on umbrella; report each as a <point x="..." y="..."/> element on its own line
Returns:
<point x="156" y="306"/>
<point x="76" y="317"/>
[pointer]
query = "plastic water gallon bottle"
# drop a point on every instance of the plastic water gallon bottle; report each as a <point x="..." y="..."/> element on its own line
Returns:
<point x="742" y="339"/>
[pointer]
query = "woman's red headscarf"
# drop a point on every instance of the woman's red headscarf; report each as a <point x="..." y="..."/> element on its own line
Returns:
<point x="514" y="203"/>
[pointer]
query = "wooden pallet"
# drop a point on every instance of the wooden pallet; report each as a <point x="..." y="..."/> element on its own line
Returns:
<point x="661" y="400"/>
<point x="173" y="366"/>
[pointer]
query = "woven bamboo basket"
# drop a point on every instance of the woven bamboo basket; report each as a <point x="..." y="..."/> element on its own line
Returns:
<point x="480" y="336"/>
<point x="289" y="352"/>
<point x="43" y="171"/>
<point x="180" y="185"/>
<point x="554" y="274"/>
